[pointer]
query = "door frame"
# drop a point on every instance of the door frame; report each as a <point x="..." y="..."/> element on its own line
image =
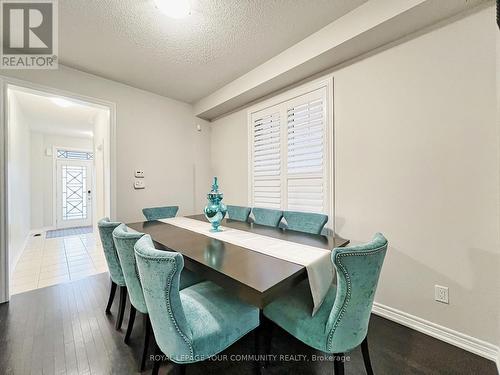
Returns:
<point x="5" y="83"/>
<point x="55" y="182"/>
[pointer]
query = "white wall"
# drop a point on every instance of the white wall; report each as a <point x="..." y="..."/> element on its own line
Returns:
<point x="417" y="158"/>
<point x="42" y="174"/>
<point x="154" y="133"/>
<point x="229" y="154"/>
<point x="19" y="181"/>
<point x="37" y="183"/>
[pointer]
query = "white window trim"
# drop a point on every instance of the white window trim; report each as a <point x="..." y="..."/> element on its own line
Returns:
<point x="324" y="82"/>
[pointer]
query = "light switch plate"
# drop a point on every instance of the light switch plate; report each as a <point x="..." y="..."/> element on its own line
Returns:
<point x="139" y="173"/>
<point x="139" y="184"/>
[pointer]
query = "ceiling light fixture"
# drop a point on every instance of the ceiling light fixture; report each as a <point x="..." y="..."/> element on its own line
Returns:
<point x="61" y="102"/>
<point x="174" y="8"/>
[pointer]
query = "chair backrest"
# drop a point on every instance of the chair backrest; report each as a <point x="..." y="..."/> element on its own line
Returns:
<point x="239" y="213"/>
<point x="160" y="273"/>
<point x="305" y="221"/>
<point x="266" y="216"/>
<point x="155" y="213"/>
<point x="358" y="270"/>
<point x="106" y="229"/>
<point x="124" y="243"/>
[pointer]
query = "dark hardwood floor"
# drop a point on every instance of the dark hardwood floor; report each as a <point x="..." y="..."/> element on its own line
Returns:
<point x="63" y="330"/>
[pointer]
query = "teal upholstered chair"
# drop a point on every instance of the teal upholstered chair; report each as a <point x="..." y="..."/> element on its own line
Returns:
<point x="238" y="213"/>
<point x="156" y="213"/>
<point x="106" y="228"/>
<point x="305" y="221"/>
<point x="266" y="216"/>
<point x="125" y="240"/>
<point x="341" y="323"/>
<point x="190" y="324"/>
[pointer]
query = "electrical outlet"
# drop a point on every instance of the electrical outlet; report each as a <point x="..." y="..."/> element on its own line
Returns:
<point x="139" y="173"/>
<point x="139" y="184"/>
<point x="441" y="294"/>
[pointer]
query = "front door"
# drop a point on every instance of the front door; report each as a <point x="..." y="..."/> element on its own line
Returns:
<point x="74" y="193"/>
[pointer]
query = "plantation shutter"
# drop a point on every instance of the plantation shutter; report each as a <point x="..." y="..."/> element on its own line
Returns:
<point x="266" y="162"/>
<point x="306" y="153"/>
<point x="289" y="155"/>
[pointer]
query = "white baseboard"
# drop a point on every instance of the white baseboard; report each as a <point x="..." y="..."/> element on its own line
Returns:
<point x="461" y="340"/>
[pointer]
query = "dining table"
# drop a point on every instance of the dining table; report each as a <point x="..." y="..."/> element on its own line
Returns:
<point x="252" y="276"/>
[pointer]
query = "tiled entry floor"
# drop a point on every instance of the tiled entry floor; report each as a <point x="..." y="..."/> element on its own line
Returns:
<point x="49" y="261"/>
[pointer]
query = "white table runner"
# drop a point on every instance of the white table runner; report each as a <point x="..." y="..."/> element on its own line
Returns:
<point x="317" y="261"/>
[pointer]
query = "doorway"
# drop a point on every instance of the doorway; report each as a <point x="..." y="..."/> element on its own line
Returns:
<point x="58" y="185"/>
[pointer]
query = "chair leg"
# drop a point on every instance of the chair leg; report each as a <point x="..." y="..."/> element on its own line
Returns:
<point x="147" y="334"/>
<point x="121" y="308"/>
<point x="112" y="292"/>
<point x="156" y="368"/>
<point x="338" y="364"/>
<point x="257" y="338"/>
<point x="268" y="337"/>
<point x="366" y="356"/>
<point x="131" y="320"/>
<point x="181" y="369"/>
<point x="157" y="360"/>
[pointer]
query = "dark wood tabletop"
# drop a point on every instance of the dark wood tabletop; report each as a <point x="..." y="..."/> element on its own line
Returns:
<point x="252" y="276"/>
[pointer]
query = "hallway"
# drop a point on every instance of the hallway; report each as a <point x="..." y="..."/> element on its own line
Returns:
<point x="50" y="261"/>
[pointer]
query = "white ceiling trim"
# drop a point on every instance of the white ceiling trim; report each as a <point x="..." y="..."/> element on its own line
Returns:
<point x="370" y="26"/>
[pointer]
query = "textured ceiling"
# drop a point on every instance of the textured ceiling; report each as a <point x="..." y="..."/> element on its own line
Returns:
<point x="132" y="42"/>
<point x="45" y="116"/>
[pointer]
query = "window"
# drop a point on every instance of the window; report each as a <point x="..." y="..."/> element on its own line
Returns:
<point x="74" y="155"/>
<point x="290" y="148"/>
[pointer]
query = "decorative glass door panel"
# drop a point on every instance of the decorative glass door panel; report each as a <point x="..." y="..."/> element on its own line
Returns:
<point x="74" y="194"/>
<point x="74" y="202"/>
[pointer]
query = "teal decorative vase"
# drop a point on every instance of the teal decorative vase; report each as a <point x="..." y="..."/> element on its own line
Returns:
<point x="215" y="209"/>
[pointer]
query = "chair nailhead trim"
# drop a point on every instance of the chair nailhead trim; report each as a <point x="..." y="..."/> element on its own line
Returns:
<point x="167" y="296"/>
<point x="349" y="288"/>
